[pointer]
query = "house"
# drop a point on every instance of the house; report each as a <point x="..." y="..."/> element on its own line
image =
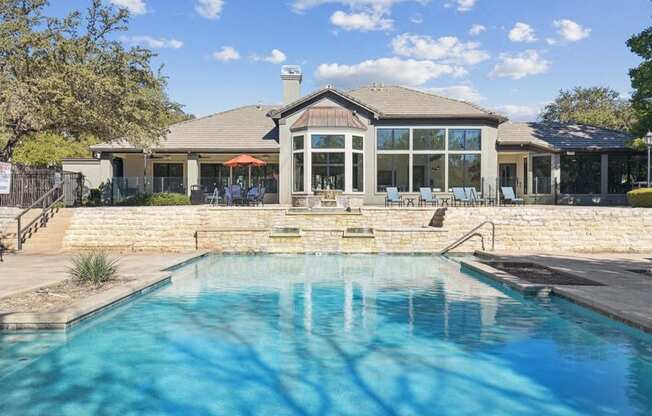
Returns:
<point x="362" y="141"/>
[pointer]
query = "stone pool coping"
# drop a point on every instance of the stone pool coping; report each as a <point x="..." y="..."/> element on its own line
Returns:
<point x="93" y="305"/>
<point x="606" y="300"/>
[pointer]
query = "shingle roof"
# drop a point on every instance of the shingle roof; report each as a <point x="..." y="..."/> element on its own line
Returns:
<point x="241" y="128"/>
<point x="328" y="117"/>
<point x="558" y="136"/>
<point x="394" y="101"/>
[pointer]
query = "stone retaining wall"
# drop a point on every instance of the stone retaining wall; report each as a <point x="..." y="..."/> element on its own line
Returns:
<point x="397" y="230"/>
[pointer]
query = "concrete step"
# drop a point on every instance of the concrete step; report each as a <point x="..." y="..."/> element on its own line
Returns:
<point x="49" y="239"/>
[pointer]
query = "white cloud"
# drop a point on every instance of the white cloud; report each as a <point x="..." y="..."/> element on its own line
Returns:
<point x="417" y="19"/>
<point x="226" y="54"/>
<point x="517" y="66"/>
<point x="210" y="9"/>
<point x="275" y="57"/>
<point x="362" y="21"/>
<point x="551" y="41"/>
<point x="152" y="43"/>
<point x="408" y="72"/>
<point x="461" y="5"/>
<point x="477" y="29"/>
<point x="458" y="92"/>
<point x="134" y="6"/>
<point x="522" y="32"/>
<point x="521" y="112"/>
<point x="571" y="31"/>
<point x="301" y="6"/>
<point x="448" y="49"/>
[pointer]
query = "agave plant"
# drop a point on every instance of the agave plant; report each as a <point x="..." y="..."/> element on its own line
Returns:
<point x="94" y="268"/>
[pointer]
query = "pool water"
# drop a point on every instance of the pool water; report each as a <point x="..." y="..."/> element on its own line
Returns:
<point x="331" y="335"/>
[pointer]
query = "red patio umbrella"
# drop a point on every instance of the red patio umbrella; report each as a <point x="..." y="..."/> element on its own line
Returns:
<point x="244" y="160"/>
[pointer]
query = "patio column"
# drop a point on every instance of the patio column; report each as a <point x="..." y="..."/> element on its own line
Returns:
<point x="192" y="175"/>
<point x="106" y="167"/>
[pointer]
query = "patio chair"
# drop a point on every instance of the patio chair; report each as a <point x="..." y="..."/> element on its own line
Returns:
<point x="393" y="197"/>
<point x="426" y="197"/>
<point x="228" y="196"/>
<point x="214" y="199"/>
<point x="254" y="196"/>
<point x="459" y="195"/>
<point x="510" y="197"/>
<point x="236" y="194"/>
<point x="474" y="196"/>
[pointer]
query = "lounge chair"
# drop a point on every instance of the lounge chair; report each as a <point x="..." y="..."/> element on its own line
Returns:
<point x="393" y="197"/>
<point x="459" y="195"/>
<point x="474" y="196"/>
<point x="510" y="197"/>
<point x="426" y="197"/>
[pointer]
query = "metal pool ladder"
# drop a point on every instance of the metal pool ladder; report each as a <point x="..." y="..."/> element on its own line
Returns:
<point x="473" y="233"/>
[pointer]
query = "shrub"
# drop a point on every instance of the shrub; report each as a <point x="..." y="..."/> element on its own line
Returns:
<point x="94" y="268"/>
<point x="162" y="199"/>
<point x="640" y="197"/>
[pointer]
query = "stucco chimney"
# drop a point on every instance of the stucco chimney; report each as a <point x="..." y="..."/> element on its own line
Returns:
<point x="291" y="77"/>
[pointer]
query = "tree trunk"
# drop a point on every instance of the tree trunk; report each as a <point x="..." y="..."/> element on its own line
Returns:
<point x="7" y="151"/>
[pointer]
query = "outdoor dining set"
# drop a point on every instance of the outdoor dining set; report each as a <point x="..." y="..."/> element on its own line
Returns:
<point x="459" y="196"/>
<point x="237" y="195"/>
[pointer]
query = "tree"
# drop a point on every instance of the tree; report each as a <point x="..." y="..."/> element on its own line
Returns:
<point x="641" y="77"/>
<point x="595" y="106"/>
<point x="48" y="149"/>
<point x="65" y="76"/>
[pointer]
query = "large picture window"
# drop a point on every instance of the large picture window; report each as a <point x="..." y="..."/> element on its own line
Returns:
<point x="214" y="175"/>
<point x="465" y="139"/>
<point x="542" y="174"/>
<point x="581" y="173"/>
<point x="297" y="170"/>
<point x="428" y="172"/>
<point x="393" y="170"/>
<point x="625" y="171"/>
<point x="393" y="139"/>
<point x="357" y="164"/>
<point x="327" y="141"/>
<point x="464" y="171"/>
<point x="327" y="171"/>
<point x="266" y="176"/>
<point x="429" y="139"/>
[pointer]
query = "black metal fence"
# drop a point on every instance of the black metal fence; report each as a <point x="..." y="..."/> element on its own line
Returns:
<point x="29" y="184"/>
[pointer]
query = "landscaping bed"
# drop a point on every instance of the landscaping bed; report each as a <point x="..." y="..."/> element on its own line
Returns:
<point x="56" y="297"/>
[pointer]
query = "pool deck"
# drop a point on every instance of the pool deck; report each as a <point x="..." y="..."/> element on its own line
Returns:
<point x="626" y="296"/>
<point x="20" y="273"/>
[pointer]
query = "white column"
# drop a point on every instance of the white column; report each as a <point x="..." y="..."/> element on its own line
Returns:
<point x="192" y="172"/>
<point x="106" y="167"/>
<point x="348" y="163"/>
<point x="530" y="179"/>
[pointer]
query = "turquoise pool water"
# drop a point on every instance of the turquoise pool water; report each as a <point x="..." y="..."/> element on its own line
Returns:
<point x="331" y="335"/>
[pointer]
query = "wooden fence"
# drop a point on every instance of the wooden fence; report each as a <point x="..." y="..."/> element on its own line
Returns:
<point x="29" y="184"/>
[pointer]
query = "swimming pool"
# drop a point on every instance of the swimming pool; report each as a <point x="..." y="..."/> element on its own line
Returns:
<point x="331" y="335"/>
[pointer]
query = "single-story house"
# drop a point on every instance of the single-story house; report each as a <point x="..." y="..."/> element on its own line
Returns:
<point x="362" y="141"/>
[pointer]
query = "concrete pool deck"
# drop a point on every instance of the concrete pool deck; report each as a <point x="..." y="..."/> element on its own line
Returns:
<point x="626" y="296"/>
<point x="25" y="273"/>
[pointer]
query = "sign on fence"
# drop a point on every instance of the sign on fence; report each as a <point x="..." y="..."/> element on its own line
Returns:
<point x="5" y="178"/>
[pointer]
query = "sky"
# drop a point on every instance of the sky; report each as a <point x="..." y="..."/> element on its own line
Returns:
<point x="511" y="56"/>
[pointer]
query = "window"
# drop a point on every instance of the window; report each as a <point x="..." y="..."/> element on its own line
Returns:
<point x="358" y="143"/>
<point x="297" y="170"/>
<point x="266" y="176"/>
<point x="327" y="171"/>
<point x="542" y="174"/>
<point x="358" y="173"/>
<point x="393" y="170"/>
<point x="393" y="139"/>
<point x="581" y="173"/>
<point x="464" y="139"/>
<point x="428" y="139"/>
<point x="214" y="175"/>
<point x="428" y="172"/>
<point x="298" y="143"/>
<point x="464" y="171"/>
<point x="328" y="141"/>
<point x="168" y="177"/>
<point x="624" y="171"/>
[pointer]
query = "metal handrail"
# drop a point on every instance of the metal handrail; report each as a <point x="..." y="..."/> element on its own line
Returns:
<point x="473" y="233"/>
<point x="45" y="208"/>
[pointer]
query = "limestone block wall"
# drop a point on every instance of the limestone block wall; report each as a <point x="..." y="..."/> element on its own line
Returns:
<point x="396" y="230"/>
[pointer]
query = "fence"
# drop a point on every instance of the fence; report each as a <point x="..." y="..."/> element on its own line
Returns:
<point x="30" y="184"/>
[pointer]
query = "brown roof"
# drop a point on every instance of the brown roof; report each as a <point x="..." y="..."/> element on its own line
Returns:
<point x="328" y="117"/>
<point x="241" y="128"/>
<point x="560" y="136"/>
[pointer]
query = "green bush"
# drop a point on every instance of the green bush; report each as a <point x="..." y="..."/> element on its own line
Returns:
<point x="159" y="200"/>
<point x="95" y="268"/>
<point x="640" y="197"/>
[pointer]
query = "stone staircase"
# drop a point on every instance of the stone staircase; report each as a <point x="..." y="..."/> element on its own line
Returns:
<point x="42" y="239"/>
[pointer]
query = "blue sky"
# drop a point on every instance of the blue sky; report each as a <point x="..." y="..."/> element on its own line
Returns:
<point x="219" y="54"/>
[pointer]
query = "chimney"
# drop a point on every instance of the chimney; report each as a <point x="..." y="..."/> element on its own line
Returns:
<point x="291" y="77"/>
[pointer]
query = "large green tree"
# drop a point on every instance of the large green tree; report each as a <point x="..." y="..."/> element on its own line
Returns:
<point x="641" y="77"/>
<point x="596" y="106"/>
<point x="69" y="76"/>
